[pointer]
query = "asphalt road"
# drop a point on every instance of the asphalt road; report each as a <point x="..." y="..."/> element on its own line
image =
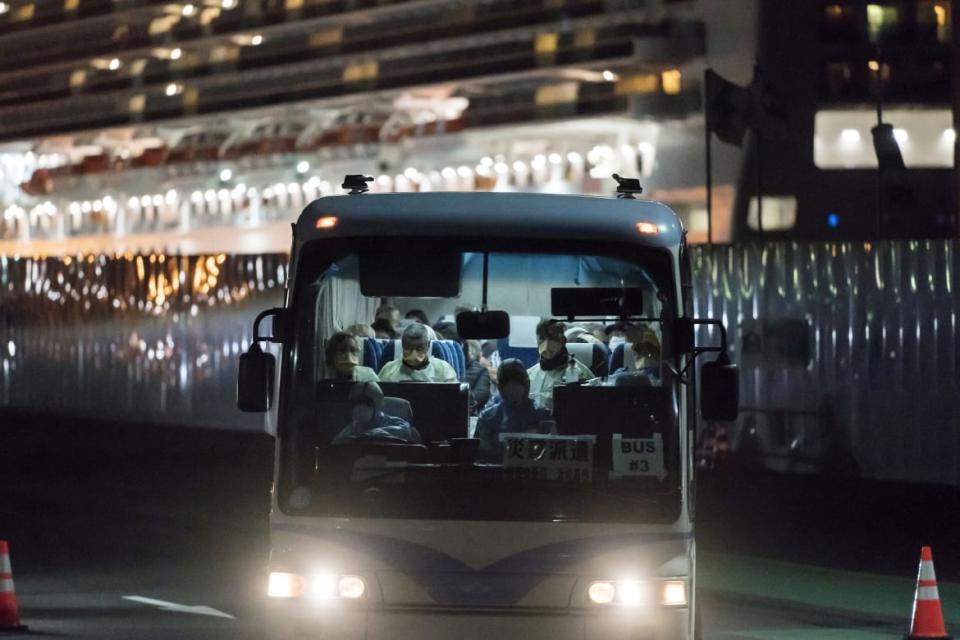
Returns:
<point x="109" y="523"/>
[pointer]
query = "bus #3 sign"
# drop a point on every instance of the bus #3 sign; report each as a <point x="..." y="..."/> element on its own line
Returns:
<point x="548" y="457"/>
<point x="638" y="456"/>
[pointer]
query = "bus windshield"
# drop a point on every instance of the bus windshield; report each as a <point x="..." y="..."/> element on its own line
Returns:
<point x="386" y="412"/>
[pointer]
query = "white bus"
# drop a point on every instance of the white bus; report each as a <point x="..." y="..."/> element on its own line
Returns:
<point x="452" y="517"/>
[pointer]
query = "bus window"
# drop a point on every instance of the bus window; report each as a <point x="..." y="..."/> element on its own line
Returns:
<point x="603" y="446"/>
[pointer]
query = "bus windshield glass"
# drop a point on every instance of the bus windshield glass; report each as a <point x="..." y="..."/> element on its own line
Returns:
<point x="386" y="412"/>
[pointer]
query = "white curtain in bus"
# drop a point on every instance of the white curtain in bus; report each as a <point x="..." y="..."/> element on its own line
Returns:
<point x="339" y="302"/>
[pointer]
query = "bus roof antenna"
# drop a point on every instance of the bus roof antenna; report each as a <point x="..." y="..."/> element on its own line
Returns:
<point x="628" y="188"/>
<point x="356" y="183"/>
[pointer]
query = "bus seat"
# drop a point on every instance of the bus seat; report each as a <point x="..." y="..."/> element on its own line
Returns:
<point x="529" y="356"/>
<point x="618" y="356"/>
<point x="398" y="408"/>
<point x="372" y="353"/>
<point x="452" y="352"/>
<point x="439" y="410"/>
<point x="595" y="356"/>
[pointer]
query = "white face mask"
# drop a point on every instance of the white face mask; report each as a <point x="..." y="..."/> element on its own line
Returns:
<point x="616" y="341"/>
<point x="346" y="361"/>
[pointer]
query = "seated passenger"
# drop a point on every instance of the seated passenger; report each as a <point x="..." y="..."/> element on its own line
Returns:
<point x="596" y="330"/>
<point x="370" y="422"/>
<point x="581" y="334"/>
<point x="417" y="365"/>
<point x="556" y="366"/>
<point x="476" y="376"/>
<point x="383" y="329"/>
<point x="361" y="330"/>
<point x="490" y="358"/>
<point x="616" y="334"/>
<point x="447" y="331"/>
<point x="511" y="412"/>
<point x="388" y="313"/>
<point x="417" y="315"/>
<point x="342" y="355"/>
<point x="646" y="353"/>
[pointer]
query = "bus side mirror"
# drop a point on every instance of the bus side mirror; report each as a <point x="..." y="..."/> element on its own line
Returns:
<point x="257" y="368"/>
<point x="255" y="380"/>
<point x="719" y="390"/>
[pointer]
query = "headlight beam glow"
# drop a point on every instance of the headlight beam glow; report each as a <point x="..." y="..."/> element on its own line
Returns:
<point x="673" y="593"/>
<point x="284" y="585"/>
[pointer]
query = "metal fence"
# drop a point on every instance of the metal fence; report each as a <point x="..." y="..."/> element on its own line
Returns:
<point x="150" y="338"/>
<point x="849" y="353"/>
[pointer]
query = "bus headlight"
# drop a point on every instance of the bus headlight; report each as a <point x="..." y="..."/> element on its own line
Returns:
<point x="323" y="586"/>
<point x="673" y="593"/>
<point x="601" y="592"/>
<point x="318" y="587"/>
<point x="634" y="593"/>
<point x="351" y="587"/>
<point x="631" y="592"/>
<point x="623" y="592"/>
<point x="327" y="586"/>
<point x="285" y="585"/>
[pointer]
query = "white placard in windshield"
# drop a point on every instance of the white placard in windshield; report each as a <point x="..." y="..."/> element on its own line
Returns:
<point x="548" y="457"/>
<point x="638" y="456"/>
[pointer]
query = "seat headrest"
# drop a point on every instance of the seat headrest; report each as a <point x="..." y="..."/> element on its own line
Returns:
<point x="372" y="349"/>
<point x="529" y="356"/>
<point x="584" y="352"/>
<point x="593" y="355"/>
<point x="398" y="407"/>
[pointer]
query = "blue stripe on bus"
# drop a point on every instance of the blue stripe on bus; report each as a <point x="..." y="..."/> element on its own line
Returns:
<point x="504" y="582"/>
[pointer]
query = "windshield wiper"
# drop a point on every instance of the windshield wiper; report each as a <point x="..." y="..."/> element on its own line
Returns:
<point x="632" y="499"/>
<point x="380" y="473"/>
<point x="387" y="472"/>
<point x="590" y="489"/>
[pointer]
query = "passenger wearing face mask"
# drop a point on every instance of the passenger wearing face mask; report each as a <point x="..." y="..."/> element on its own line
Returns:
<point x="616" y="334"/>
<point x="417" y="365"/>
<point x="476" y="376"/>
<point x="369" y="422"/>
<point x="647" y="362"/>
<point x="512" y="412"/>
<point x="342" y="355"/>
<point x="389" y="314"/>
<point x="555" y="365"/>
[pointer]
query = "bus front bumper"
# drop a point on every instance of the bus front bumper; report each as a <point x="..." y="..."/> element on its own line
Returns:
<point x="289" y="621"/>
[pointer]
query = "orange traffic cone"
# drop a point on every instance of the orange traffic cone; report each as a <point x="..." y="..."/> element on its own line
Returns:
<point x="926" y="622"/>
<point x="9" y="611"/>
